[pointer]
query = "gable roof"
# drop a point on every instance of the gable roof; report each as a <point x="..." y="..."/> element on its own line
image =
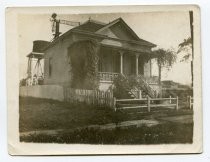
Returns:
<point x="91" y="26"/>
<point x="121" y="21"/>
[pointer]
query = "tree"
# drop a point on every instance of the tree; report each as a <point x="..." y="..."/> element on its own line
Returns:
<point x="186" y="47"/>
<point x="165" y="58"/>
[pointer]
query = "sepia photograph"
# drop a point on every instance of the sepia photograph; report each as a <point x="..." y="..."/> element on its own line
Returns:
<point x="115" y="78"/>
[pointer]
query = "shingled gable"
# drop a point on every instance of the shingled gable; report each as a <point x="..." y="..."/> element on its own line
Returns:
<point x="120" y="23"/>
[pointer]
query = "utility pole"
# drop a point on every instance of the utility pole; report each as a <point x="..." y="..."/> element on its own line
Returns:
<point x="192" y="37"/>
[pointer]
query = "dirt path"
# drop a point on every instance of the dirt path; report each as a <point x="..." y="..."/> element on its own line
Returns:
<point x="137" y="123"/>
<point x="179" y="119"/>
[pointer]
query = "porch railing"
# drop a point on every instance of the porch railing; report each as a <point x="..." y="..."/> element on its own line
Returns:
<point x="146" y="86"/>
<point x="107" y="76"/>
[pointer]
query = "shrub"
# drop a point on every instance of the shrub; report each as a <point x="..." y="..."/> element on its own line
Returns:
<point x="84" y="64"/>
<point x="22" y="82"/>
<point x="121" y="87"/>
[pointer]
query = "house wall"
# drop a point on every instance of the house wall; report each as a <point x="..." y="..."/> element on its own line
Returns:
<point x="147" y="69"/>
<point x="154" y="67"/>
<point x="60" y="67"/>
<point x="54" y="92"/>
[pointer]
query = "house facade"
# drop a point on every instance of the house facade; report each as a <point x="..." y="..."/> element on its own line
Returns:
<point x="120" y="51"/>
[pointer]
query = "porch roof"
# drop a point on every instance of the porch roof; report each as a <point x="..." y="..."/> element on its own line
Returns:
<point x="147" y="53"/>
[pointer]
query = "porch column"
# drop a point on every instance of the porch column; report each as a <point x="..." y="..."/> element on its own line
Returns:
<point x="137" y="64"/>
<point x="121" y="62"/>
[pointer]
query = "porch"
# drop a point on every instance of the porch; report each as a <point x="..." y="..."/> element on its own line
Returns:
<point x="113" y="62"/>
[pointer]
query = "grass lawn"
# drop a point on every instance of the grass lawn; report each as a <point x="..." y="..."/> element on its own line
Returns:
<point x="42" y="114"/>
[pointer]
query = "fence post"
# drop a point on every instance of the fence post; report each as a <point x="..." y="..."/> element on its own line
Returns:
<point x="170" y="99"/>
<point x="190" y="101"/>
<point x="114" y="104"/>
<point x="148" y="103"/>
<point x="110" y="98"/>
<point x="177" y="102"/>
<point x="187" y="101"/>
<point x="140" y="94"/>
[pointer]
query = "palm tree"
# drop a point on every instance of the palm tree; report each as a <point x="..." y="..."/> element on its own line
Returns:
<point x="186" y="47"/>
<point x="165" y="58"/>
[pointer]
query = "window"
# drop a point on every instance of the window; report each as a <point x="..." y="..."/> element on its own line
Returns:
<point x="50" y="67"/>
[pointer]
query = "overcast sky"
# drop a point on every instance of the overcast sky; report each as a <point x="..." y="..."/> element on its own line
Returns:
<point x="166" y="29"/>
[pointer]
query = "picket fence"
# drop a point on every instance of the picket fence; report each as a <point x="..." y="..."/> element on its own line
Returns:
<point x="94" y="97"/>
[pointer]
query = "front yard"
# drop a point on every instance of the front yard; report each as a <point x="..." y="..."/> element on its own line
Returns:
<point x="77" y="124"/>
<point x="43" y="114"/>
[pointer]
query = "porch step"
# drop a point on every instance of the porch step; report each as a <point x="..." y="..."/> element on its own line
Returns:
<point x="131" y="91"/>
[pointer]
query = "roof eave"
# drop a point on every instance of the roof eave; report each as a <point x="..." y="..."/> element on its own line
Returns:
<point x="145" y="43"/>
